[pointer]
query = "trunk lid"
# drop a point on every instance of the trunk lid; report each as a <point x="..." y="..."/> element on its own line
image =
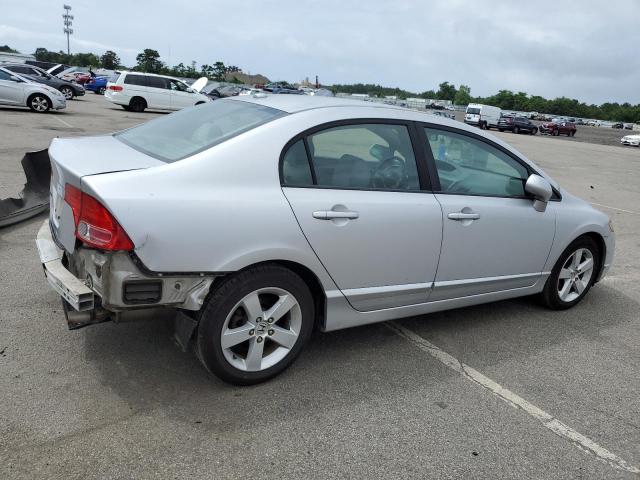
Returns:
<point x="74" y="158"/>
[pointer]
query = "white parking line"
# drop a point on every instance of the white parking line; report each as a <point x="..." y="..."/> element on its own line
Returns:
<point x="63" y="122"/>
<point x="556" y="426"/>
<point x="615" y="208"/>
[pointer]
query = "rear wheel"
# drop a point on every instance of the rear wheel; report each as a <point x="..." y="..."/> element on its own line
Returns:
<point x="533" y="131"/>
<point x="137" y="104"/>
<point x="573" y="275"/>
<point x="516" y="130"/>
<point x="501" y="129"/>
<point x="100" y="91"/>
<point x="67" y="92"/>
<point x="255" y="325"/>
<point x="556" y="133"/>
<point x="39" y="103"/>
<point x="572" y="133"/>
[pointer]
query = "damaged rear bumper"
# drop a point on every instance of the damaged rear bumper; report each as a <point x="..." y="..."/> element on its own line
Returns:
<point x="96" y="285"/>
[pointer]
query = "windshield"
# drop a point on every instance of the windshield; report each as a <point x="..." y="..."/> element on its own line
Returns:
<point x="473" y="111"/>
<point x="195" y="129"/>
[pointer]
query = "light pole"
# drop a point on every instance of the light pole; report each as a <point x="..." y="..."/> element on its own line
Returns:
<point x="67" y="24"/>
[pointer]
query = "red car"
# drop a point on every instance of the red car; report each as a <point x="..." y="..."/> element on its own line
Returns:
<point x="552" y="128"/>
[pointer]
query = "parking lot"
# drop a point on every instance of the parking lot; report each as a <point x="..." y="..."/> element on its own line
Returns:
<point x="503" y="390"/>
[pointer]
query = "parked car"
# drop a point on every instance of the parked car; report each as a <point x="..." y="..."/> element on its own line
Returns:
<point x="37" y="74"/>
<point x="441" y="113"/>
<point x="261" y="218"/>
<point x="619" y="125"/>
<point x="282" y="88"/>
<point x="138" y="91"/>
<point x="20" y="91"/>
<point x="483" y="116"/>
<point x="632" y="140"/>
<point x="557" y="128"/>
<point x="517" y="125"/>
<point x="97" y="85"/>
<point x="70" y="74"/>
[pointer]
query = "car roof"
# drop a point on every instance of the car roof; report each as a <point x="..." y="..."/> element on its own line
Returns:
<point x="149" y="75"/>
<point x="292" y="103"/>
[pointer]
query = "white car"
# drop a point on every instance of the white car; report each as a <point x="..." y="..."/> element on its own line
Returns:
<point x="138" y="91"/>
<point x="20" y="91"/>
<point x="633" y="140"/>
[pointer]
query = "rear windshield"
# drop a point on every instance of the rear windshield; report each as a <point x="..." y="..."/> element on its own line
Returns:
<point x="114" y="78"/>
<point x="192" y="130"/>
<point x="473" y="110"/>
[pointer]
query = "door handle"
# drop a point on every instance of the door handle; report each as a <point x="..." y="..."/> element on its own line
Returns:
<point x="333" y="214"/>
<point x="463" y="216"/>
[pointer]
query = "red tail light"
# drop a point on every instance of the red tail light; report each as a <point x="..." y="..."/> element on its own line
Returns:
<point x="115" y="88"/>
<point x="95" y="226"/>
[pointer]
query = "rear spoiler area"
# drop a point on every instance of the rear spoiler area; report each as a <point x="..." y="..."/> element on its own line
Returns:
<point x="34" y="197"/>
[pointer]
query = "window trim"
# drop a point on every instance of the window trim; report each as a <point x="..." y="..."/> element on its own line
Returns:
<point x="424" y="178"/>
<point x="433" y="171"/>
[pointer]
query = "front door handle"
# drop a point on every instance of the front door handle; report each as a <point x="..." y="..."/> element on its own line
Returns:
<point x="333" y="214"/>
<point x="463" y="216"/>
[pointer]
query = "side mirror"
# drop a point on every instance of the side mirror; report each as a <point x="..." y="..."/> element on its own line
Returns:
<point x="15" y="79"/>
<point x="541" y="191"/>
<point x="190" y="90"/>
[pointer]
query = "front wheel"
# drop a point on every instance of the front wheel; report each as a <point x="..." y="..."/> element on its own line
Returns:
<point x="255" y="325"/>
<point x="573" y="275"/>
<point x="67" y="92"/>
<point x="516" y="130"/>
<point x="39" y="103"/>
<point x="100" y="91"/>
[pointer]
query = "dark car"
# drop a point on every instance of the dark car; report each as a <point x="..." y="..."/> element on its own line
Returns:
<point x="68" y="89"/>
<point x="557" y="128"/>
<point x="282" y="88"/>
<point x="617" y="125"/>
<point x="517" y="125"/>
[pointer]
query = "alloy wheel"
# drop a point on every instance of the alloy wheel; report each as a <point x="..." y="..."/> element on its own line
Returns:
<point x="40" y="104"/>
<point x="67" y="92"/>
<point x="261" y="329"/>
<point x="575" y="275"/>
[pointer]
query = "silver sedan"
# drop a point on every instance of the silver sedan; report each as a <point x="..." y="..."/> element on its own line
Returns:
<point x="260" y="218"/>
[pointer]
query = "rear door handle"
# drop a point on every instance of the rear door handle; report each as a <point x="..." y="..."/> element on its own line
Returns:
<point x="332" y="214"/>
<point x="463" y="216"/>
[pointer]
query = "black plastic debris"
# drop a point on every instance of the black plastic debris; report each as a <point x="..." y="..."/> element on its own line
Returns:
<point x="34" y="197"/>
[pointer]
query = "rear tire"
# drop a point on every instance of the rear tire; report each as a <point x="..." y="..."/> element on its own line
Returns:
<point x="562" y="293"/>
<point x="137" y="104"/>
<point x="556" y="133"/>
<point x="39" y="103"/>
<point x="100" y="91"/>
<point x="501" y="129"/>
<point x="573" y="133"/>
<point x="255" y="349"/>
<point x="516" y="130"/>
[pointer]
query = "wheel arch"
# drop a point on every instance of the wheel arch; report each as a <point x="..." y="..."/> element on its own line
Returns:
<point x="308" y="277"/>
<point x="33" y="94"/>
<point x="602" y="250"/>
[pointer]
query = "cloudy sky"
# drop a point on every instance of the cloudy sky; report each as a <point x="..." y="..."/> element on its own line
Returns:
<point x="582" y="49"/>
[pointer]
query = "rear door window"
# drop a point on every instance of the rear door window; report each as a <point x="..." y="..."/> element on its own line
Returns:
<point x="158" y="82"/>
<point x="132" y="79"/>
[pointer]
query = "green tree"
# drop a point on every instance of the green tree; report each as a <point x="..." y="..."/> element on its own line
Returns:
<point x="149" y="61"/>
<point x="218" y="71"/>
<point x="8" y="49"/>
<point x="446" y="91"/>
<point x="110" y="60"/>
<point x="463" y="96"/>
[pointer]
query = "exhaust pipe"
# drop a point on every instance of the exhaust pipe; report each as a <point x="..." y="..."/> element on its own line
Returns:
<point x="34" y="197"/>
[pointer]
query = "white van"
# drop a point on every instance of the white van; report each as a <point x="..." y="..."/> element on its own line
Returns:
<point x="137" y="91"/>
<point x="483" y="116"/>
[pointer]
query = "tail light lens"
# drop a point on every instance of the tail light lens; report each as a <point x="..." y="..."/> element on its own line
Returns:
<point x="94" y="224"/>
<point x="115" y="88"/>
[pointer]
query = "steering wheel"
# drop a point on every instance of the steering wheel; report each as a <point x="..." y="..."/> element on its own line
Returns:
<point x="391" y="173"/>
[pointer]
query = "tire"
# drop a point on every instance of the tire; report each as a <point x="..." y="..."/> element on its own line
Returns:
<point x="534" y="131"/>
<point x="516" y="130"/>
<point x="235" y="363"/>
<point x="39" y="103"/>
<point x="137" y="104"/>
<point x="572" y="133"/>
<point x="100" y="91"/>
<point x="67" y="92"/>
<point x="554" y="295"/>
<point x="501" y="129"/>
<point x="556" y="133"/>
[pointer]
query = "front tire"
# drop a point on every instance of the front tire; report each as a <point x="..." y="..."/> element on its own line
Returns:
<point x="100" y="91"/>
<point x="573" y="275"/>
<point x="67" y="92"/>
<point x="255" y="324"/>
<point x="516" y="130"/>
<point x="39" y="103"/>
